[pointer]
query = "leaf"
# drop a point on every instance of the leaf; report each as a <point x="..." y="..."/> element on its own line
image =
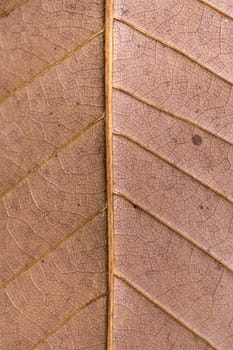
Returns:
<point x="154" y="142"/>
<point x="172" y="147"/>
<point x="52" y="176"/>
<point x="7" y="6"/>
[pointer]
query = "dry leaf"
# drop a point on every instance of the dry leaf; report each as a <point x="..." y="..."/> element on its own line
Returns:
<point x="52" y="176"/>
<point x="154" y="271"/>
<point x="172" y="156"/>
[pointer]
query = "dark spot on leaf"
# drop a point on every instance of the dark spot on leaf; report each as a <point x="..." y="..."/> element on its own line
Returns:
<point x="4" y="14"/>
<point x="59" y="125"/>
<point x="218" y="266"/>
<point x="50" y="113"/>
<point x="138" y="46"/>
<point x="42" y="261"/>
<point x="77" y="103"/>
<point x="124" y="11"/>
<point x="135" y="206"/>
<point x="71" y="6"/>
<point x="197" y="140"/>
<point x="201" y="207"/>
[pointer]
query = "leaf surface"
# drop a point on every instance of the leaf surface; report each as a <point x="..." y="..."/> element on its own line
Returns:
<point x="52" y="177"/>
<point x="172" y="156"/>
<point x="116" y="200"/>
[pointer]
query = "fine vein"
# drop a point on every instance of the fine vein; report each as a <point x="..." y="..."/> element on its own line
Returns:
<point x="172" y="47"/>
<point x="164" y="309"/>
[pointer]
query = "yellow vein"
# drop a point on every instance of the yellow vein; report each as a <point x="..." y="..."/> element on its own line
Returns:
<point x="174" y="115"/>
<point x="109" y="8"/>
<point x="221" y="12"/>
<point x="179" y="233"/>
<point x="54" y="153"/>
<point x="51" y="249"/>
<point x="50" y="66"/>
<point x="174" y="48"/>
<point x="174" y="165"/>
<point x="164" y="309"/>
<point x="13" y="8"/>
<point x="67" y="319"/>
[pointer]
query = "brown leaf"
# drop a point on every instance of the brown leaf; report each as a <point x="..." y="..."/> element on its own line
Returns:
<point x="172" y="157"/>
<point x="154" y="271"/>
<point x="52" y="176"/>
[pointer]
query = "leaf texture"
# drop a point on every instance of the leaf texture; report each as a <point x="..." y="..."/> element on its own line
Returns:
<point x="172" y="158"/>
<point x="52" y="176"/>
<point x="7" y="6"/>
<point x="116" y="200"/>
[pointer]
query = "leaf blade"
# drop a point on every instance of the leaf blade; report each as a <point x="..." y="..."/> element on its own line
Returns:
<point x="53" y="202"/>
<point x="165" y="113"/>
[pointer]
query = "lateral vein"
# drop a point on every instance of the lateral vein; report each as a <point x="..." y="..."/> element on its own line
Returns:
<point x="50" y="66"/>
<point x="164" y="309"/>
<point x="172" y="47"/>
<point x="170" y="227"/>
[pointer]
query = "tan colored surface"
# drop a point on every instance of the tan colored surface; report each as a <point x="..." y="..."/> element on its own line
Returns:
<point x="74" y="334"/>
<point x="154" y="145"/>
<point x="7" y="6"/>
<point x="39" y="33"/>
<point x="53" y="247"/>
<point x="172" y="152"/>
<point x="189" y="26"/>
<point x="147" y="326"/>
<point x="51" y="110"/>
<point x="224" y="6"/>
<point x="57" y="286"/>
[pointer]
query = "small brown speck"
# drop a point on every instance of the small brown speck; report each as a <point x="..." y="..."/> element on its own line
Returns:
<point x="4" y="14"/>
<point x="124" y="12"/>
<point x="42" y="261"/>
<point x="197" y="140"/>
